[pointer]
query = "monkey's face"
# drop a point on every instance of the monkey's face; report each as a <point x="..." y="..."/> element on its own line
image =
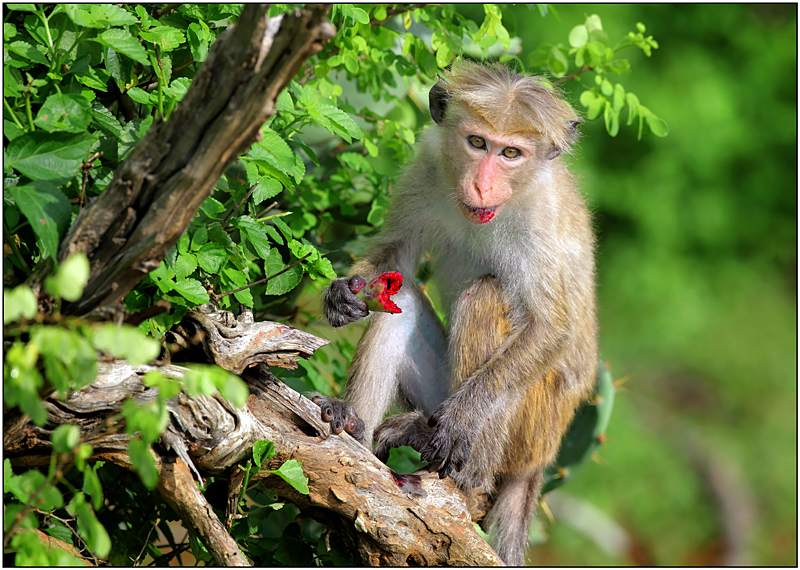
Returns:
<point x="489" y="167"/>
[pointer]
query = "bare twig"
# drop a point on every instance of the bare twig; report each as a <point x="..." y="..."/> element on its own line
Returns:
<point x="267" y="209"/>
<point x="239" y="205"/>
<point x="146" y="541"/>
<point x="167" y="10"/>
<point x="583" y="69"/>
<point x="260" y="281"/>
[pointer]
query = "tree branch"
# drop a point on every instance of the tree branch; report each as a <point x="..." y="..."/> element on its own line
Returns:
<point x="156" y="192"/>
<point x="387" y="519"/>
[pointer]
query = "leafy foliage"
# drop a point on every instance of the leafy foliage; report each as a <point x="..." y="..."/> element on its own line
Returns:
<point x="82" y="85"/>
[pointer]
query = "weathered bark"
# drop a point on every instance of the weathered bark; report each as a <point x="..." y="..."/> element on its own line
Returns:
<point x="386" y="518"/>
<point x="156" y="192"/>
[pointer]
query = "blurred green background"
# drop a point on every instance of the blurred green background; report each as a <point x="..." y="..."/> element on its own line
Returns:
<point x="697" y="287"/>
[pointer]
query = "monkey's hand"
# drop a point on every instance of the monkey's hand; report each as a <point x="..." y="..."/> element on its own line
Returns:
<point x="340" y="303"/>
<point x="340" y="415"/>
<point x="449" y="448"/>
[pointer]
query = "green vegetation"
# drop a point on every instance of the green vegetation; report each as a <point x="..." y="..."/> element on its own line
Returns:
<point x="697" y="254"/>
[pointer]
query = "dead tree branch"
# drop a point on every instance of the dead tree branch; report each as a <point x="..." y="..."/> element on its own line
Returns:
<point x="387" y="519"/>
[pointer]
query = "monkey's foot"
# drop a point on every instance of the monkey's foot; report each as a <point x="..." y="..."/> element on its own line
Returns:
<point x="409" y="428"/>
<point x="340" y="415"/>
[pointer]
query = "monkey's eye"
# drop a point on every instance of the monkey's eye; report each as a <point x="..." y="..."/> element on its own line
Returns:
<point x="476" y="142"/>
<point x="511" y="152"/>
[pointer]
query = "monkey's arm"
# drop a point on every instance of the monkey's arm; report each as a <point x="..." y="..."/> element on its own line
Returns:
<point x="487" y="400"/>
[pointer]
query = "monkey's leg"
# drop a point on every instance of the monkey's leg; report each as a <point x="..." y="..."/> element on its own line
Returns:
<point x="510" y="516"/>
<point x="406" y="349"/>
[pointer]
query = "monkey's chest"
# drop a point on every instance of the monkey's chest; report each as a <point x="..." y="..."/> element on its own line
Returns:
<point x="454" y="270"/>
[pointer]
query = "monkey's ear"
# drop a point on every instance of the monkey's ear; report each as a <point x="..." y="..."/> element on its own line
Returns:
<point x="572" y="130"/>
<point x="438" y="101"/>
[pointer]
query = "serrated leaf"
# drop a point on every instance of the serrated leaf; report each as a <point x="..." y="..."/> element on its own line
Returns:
<point x="99" y="15"/>
<point x="273" y="150"/>
<point x="122" y="42"/>
<point x="28" y="51"/>
<point x="107" y="122"/>
<point x="165" y="37"/>
<point x="268" y="188"/>
<point x="185" y="265"/>
<point x="95" y="78"/>
<point x="256" y="233"/>
<point x="284" y="282"/>
<point x="47" y="210"/>
<point x="43" y="156"/>
<point x="192" y="290"/>
<point x="236" y="279"/>
<point x="211" y="257"/>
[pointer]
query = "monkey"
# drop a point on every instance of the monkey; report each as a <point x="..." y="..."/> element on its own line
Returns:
<point x="489" y="199"/>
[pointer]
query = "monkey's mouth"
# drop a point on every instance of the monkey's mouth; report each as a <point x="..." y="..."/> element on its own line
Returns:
<point x="478" y="215"/>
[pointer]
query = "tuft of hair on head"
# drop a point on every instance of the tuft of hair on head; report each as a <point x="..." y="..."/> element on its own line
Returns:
<point x="508" y="101"/>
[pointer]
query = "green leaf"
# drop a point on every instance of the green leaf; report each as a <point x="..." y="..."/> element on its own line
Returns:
<point x="22" y="7"/>
<point x="593" y="23"/>
<point x="90" y="529"/>
<point x="292" y="473"/>
<point x="7" y="472"/>
<point x="611" y="118"/>
<point x="107" y="122"/>
<point x="235" y="279"/>
<point x="143" y="461"/>
<point x="65" y="438"/>
<point x="19" y="302"/>
<point x="93" y="488"/>
<point x="122" y="42"/>
<point x="47" y="210"/>
<point x="199" y="38"/>
<point x="657" y="125"/>
<point x="64" y="112"/>
<point x="139" y="96"/>
<point x="212" y="207"/>
<point x="233" y="389"/>
<point x="149" y="420"/>
<point x="70" y="362"/>
<point x="256" y="233"/>
<point x="125" y="341"/>
<point x="99" y="15"/>
<point x="211" y="257"/>
<point x="185" y="265"/>
<point x="28" y="51"/>
<point x="262" y="450"/>
<point x="273" y="150"/>
<point x="70" y="279"/>
<point x="165" y="37"/>
<point x="192" y="290"/>
<point x="268" y="188"/>
<point x="284" y="282"/>
<point x="578" y="36"/>
<point x="43" y="156"/>
<point x="619" y="97"/>
<point x="31" y="488"/>
<point x="360" y="15"/>
<point x="606" y="88"/>
<point x="405" y="460"/>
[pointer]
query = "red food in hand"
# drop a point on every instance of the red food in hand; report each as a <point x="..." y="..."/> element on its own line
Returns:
<point x="376" y="294"/>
